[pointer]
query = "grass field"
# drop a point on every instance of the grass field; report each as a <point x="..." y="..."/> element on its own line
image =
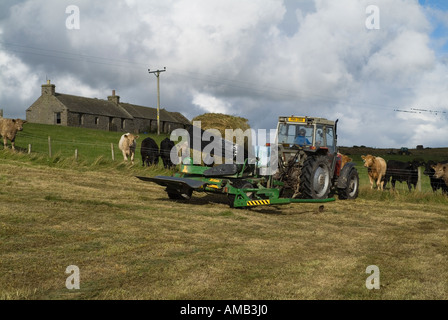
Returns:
<point x="90" y="144"/>
<point x="130" y="242"/>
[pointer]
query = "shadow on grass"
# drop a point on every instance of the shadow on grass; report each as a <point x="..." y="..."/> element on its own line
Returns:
<point x="197" y="199"/>
<point x="211" y="199"/>
<point x="292" y="209"/>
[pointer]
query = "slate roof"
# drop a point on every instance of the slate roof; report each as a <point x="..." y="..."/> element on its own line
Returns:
<point x="92" y="106"/>
<point x="180" y="117"/>
<point x="123" y="110"/>
<point x="139" y="111"/>
<point x="151" y="113"/>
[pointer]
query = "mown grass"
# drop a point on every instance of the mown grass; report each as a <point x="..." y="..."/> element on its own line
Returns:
<point x="131" y="242"/>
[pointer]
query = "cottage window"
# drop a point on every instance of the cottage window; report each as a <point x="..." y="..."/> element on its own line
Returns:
<point x="58" y="118"/>
<point x="97" y="120"/>
<point x="122" y="123"/>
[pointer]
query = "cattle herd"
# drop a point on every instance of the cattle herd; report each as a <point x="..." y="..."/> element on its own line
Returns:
<point x="381" y="172"/>
<point x="149" y="150"/>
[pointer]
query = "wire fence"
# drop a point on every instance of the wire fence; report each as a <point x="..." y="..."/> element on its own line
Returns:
<point x="52" y="146"/>
<point x="90" y="151"/>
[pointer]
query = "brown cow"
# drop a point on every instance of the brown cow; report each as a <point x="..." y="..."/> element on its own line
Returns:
<point x="8" y="130"/>
<point x="376" y="168"/>
<point x="127" y="145"/>
<point x="441" y="171"/>
<point x="344" y="159"/>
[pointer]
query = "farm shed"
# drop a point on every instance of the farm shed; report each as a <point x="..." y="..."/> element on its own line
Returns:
<point x="111" y="114"/>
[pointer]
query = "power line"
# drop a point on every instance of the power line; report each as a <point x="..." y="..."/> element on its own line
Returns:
<point x="65" y="54"/>
<point x="406" y="111"/>
<point x="239" y="84"/>
<point x="429" y="111"/>
<point x="235" y="83"/>
<point x="418" y="110"/>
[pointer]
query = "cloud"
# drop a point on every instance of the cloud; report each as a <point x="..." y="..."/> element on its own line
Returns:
<point x="210" y="103"/>
<point x="15" y="82"/>
<point x="255" y="59"/>
<point x="74" y="86"/>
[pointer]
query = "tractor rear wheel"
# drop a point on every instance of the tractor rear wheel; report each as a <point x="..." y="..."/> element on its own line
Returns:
<point x="315" y="180"/>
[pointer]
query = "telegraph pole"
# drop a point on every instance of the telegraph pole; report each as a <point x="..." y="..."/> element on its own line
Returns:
<point x="157" y="74"/>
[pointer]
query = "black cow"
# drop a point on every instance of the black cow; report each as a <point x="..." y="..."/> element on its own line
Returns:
<point x="436" y="183"/>
<point x="165" y="150"/>
<point x="150" y="152"/>
<point x="402" y="172"/>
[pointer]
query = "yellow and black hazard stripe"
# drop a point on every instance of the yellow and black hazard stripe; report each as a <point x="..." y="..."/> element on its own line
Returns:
<point x="258" y="202"/>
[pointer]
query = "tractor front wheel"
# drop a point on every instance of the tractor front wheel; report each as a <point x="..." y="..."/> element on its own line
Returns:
<point x="352" y="188"/>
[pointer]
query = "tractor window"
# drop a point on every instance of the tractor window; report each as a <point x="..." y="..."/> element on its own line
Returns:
<point x="287" y="133"/>
<point x="330" y="139"/>
<point x="282" y="133"/>
<point x="304" y="135"/>
<point x="320" y="136"/>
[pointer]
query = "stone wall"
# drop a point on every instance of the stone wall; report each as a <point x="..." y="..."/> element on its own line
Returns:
<point x="45" y="111"/>
<point x="91" y="121"/>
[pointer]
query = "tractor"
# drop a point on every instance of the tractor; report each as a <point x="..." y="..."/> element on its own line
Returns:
<point x="304" y="166"/>
<point x="309" y="162"/>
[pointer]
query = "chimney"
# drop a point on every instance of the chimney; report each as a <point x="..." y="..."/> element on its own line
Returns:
<point x="48" y="89"/>
<point x="113" y="98"/>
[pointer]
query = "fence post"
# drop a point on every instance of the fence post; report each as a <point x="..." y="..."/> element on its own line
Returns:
<point x="112" y="149"/>
<point x="29" y="148"/>
<point x="76" y="154"/>
<point x="419" y="181"/>
<point x="49" y="146"/>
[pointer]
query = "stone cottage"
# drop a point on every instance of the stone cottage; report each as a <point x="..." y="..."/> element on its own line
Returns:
<point x="111" y="114"/>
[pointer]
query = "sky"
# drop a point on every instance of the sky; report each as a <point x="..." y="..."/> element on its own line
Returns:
<point x="381" y="70"/>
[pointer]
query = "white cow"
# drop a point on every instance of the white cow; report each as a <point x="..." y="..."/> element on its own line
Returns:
<point x="127" y="145"/>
